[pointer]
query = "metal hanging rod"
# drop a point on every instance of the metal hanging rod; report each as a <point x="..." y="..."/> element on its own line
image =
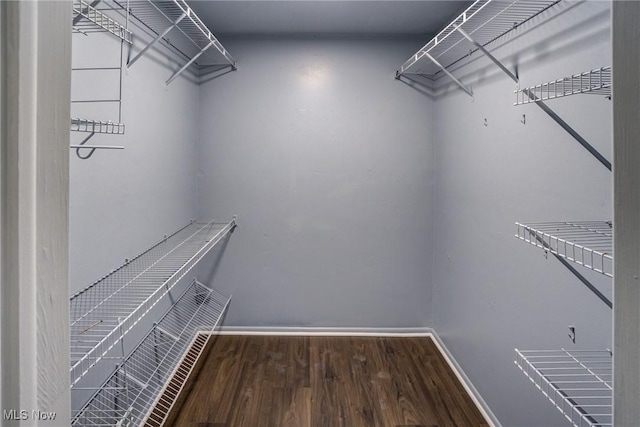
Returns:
<point x="481" y="23"/>
<point x="168" y="352"/>
<point x="94" y="20"/>
<point x="191" y="38"/>
<point x="587" y="243"/>
<point x="578" y="383"/>
<point x="596" y="82"/>
<point x="105" y="311"/>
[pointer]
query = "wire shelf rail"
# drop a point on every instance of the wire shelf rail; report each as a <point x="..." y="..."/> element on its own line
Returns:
<point x="88" y="19"/>
<point x="578" y="383"/>
<point x="596" y="82"/>
<point x="105" y="311"/>
<point x="587" y="243"/>
<point x="97" y="126"/>
<point x="193" y="39"/>
<point x="483" y="22"/>
<point x="130" y="392"/>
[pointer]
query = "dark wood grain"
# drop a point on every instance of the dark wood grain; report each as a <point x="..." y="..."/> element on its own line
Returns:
<point x="277" y="381"/>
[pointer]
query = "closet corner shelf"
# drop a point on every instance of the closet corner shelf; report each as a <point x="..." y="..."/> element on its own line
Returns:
<point x="96" y="126"/>
<point x="190" y="36"/>
<point x="102" y="313"/>
<point x="479" y="25"/>
<point x="597" y="82"/>
<point x="587" y="243"/>
<point x="143" y="388"/>
<point x="88" y="19"/>
<point x="578" y="383"/>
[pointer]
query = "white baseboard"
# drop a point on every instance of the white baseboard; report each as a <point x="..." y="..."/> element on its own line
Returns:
<point x="380" y="332"/>
<point x="318" y="331"/>
<point x="466" y="383"/>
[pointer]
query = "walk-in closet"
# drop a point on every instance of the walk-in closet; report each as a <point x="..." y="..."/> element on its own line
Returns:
<point x="320" y="213"/>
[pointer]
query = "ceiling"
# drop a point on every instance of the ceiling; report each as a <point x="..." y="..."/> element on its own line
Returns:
<point x="350" y="17"/>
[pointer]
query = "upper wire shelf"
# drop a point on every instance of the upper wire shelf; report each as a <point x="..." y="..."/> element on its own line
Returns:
<point x="596" y="82"/>
<point x="587" y="243"/>
<point x="105" y="311"/>
<point x="88" y="19"/>
<point x="128" y="396"/>
<point x="578" y="383"/>
<point x="174" y="22"/>
<point x="483" y="22"/>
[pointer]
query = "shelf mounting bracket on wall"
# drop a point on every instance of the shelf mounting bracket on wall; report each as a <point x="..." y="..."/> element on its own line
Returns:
<point x="451" y="76"/>
<point x="487" y="54"/>
<point x="156" y="40"/>
<point x="192" y="38"/>
<point x="185" y="66"/>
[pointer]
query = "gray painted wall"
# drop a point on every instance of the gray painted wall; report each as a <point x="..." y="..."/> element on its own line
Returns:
<point x="122" y="201"/>
<point x="328" y="163"/>
<point x="492" y="292"/>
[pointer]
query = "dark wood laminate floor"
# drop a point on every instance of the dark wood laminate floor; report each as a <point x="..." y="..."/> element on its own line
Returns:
<point x="279" y="381"/>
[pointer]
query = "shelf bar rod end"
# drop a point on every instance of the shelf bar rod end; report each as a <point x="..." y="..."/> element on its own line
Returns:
<point x="458" y="82"/>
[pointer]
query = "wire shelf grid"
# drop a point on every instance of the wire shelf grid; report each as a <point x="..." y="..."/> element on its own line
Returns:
<point x="96" y="126"/>
<point x="596" y="82"/>
<point x="587" y="243"/>
<point x="177" y="24"/>
<point x="578" y="383"/>
<point x="94" y="21"/>
<point x="484" y="21"/>
<point x="105" y="311"/>
<point x="127" y="396"/>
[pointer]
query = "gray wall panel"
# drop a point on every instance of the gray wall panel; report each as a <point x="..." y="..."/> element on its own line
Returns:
<point x="327" y="161"/>
<point x="492" y="292"/>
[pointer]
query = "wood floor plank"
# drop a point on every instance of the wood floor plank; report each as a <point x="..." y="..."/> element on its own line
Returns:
<point x="276" y="381"/>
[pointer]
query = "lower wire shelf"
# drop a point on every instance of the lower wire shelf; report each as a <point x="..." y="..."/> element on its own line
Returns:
<point x="137" y="392"/>
<point x="102" y="313"/>
<point x="578" y="383"/>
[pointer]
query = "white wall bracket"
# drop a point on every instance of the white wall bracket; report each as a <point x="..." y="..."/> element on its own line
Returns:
<point x="444" y="70"/>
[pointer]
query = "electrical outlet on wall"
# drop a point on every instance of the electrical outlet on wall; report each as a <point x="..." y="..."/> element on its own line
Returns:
<point x="572" y="333"/>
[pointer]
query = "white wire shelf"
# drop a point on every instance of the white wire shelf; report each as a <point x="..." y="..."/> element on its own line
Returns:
<point x="578" y="383"/>
<point x="105" y="311"/>
<point x="96" y="126"/>
<point x="174" y="22"/>
<point x="597" y="82"/>
<point x="88" y="19"/>
<point x="132" y="390"/>
<point x="484" y="21"/>
<point x="587" y="243"/>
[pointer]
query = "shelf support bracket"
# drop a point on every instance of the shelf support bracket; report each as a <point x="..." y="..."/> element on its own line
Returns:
<point x="541" y="104"/>
<point x="458" y="82"/>
<point x="191" y="61"/>
<point x="156" y="40"/>
<point x="590" y="148"/>
<point x="575" y="272"/>
<point x="487" y="54"/>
